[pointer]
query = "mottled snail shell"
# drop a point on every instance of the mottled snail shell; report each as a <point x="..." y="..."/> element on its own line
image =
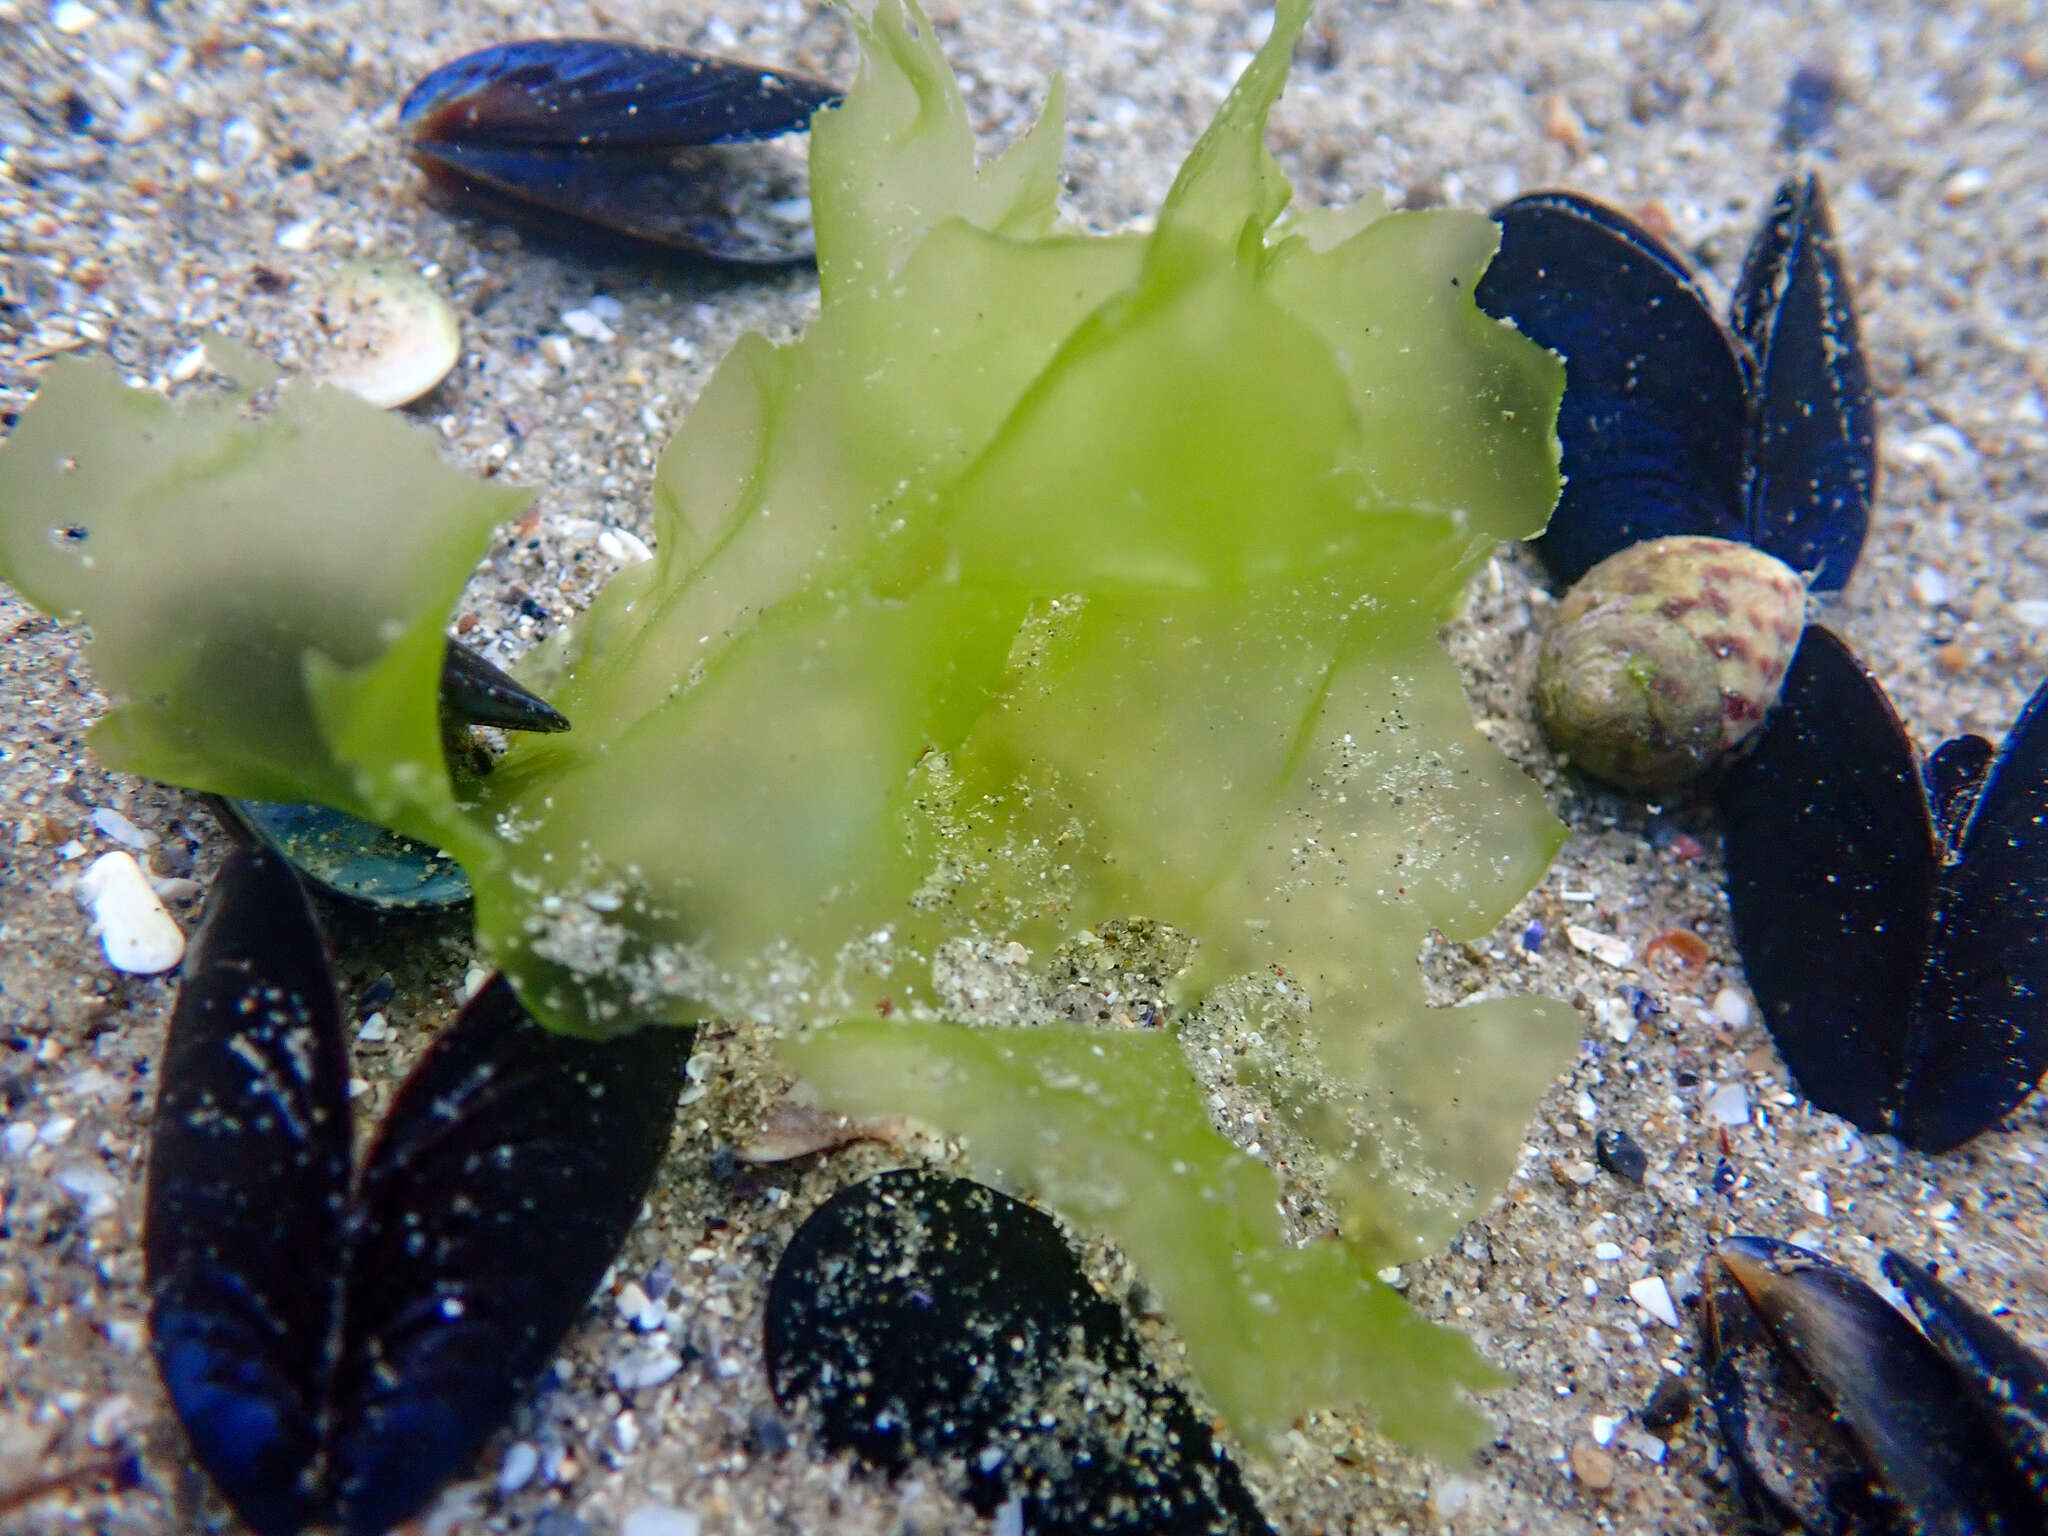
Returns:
<point x="1665" y="658"/>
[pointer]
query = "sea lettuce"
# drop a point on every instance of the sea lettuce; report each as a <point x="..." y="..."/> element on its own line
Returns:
<point x="1046" y="579"/>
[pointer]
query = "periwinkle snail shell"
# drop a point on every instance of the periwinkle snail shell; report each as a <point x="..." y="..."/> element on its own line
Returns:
<point x="1666" y="657"/>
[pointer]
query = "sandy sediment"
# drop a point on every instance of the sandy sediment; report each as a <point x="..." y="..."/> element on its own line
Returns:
<point x="174" y="168"/>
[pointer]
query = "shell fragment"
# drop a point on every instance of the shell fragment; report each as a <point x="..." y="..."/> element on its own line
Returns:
<point x="139" y="936"/>
<point x="392" y="336"/>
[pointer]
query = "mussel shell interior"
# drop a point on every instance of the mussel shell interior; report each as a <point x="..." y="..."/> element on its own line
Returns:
<point x="1910" y="1415"/>
<point x="355" y="859"/>
<point x="1795" y="1465"/>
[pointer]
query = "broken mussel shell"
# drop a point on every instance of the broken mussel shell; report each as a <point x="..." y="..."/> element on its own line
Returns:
<point x="918" y="1315"/>
<point x="361" y="862"/>
<point x="1892" y="916"/>
<point x="1760" y="431"/>
<point x="1663" y="659"/>
<point x="657" y="145"/>
<point x="338" y="1342"/>
<point x="1841" y="1417"/>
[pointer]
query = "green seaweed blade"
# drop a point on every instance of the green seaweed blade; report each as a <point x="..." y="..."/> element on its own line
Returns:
<point x="1046" y="579"/>
<point x="267" y="600"/>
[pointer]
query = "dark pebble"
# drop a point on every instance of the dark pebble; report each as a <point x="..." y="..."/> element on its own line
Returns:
<point x="1724" y="1177"/>
<point x="559" y="1522"/>
<point x="1620" y="1156"/>
<point x="1809" y="108"/>
<point x="1670" y="1403"/>
<point x="1533" y="936"/>
<point x="376" y="995"/>
<point x="917" y="1316"/>
<point x="767" y="1432"/>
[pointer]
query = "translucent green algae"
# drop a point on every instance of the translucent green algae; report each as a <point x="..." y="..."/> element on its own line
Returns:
<point x="1046" y="579"/>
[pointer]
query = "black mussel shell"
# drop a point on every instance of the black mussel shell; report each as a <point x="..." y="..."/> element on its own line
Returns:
<point x="1654" y="420"/>
<point x="2008" y="1381"/>
<point x="1813" y="449"/>
<point x="475" y="691"/>
<point x="1795" y="1464"/>
<point x="1934" y="1462"/>
<point x="335" y="1350"/>
<point x="368" y="864"/>
<point x="920" y="1315"/>
<point x="639" y="141"/>
<point x="1672" y="423"/>
<point x="1893" y="922"/>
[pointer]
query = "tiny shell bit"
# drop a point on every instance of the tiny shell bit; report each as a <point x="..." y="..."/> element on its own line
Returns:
<point x="1666" y="657"/>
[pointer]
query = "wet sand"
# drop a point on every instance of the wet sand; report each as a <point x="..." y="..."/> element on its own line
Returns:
<point x="169" y="169"/>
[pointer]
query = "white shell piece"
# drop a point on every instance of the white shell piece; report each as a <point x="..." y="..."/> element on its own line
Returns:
<point x="392" y="336"/>
<point x="139" y="936"/>
<point x="1654" y="1297"/>
<point x="1604" y="947"/>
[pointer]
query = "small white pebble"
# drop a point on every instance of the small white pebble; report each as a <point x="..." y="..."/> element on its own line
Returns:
<point x="473" y="981"/>
<point x="1585" y="1108"/>
<point x="584" y="323"/>
<point x="1654" y="1297"/>
<point x="1964" y="185"/>
<point x="1010" y="1516"/>
<point x="660" y="1520"/>
<point x="645" y="1368"/>
<point x="188" y="367"/>
<point x="517" y="1469"/>
<point x="18" y="1138"/>
<point x="1729" y="1104"/>
<point x="376" y="1027"/>
<point x="111" y="823"/>
<point x="1731" y="1008"/>
<point x="626" y="1433"/>
<point x="558" y="350"/>
<point x="1643" y="1443"/>
<point x="96" y="1190"/>
<point x="1817" y="1202"/>
<point x="606" y="308"/>
<point x="1452" y="1495"/>
<point x="1944" y="1210"/>
<point x="299" y="236"/>
<point x="1603" y="1428"/>
<point x="57" y="1130"/>
<point x="631" y="1302"/>
<point x="1930" y="587"/>
<point x="109" y="1419"/>
<point x="624" y="546"/>
<point x="1607" y="1253"/>
<point x="138" y="935"/>
<point x="72" y="18"/>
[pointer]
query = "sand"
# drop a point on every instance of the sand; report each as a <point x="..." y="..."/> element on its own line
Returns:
<point x="169" y="168"/>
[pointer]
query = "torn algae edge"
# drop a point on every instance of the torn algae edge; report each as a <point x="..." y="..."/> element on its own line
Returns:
<point x="1046" y="578"/>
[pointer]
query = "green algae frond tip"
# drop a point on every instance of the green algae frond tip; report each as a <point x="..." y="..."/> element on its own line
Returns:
<point x="1046" y="579"/>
